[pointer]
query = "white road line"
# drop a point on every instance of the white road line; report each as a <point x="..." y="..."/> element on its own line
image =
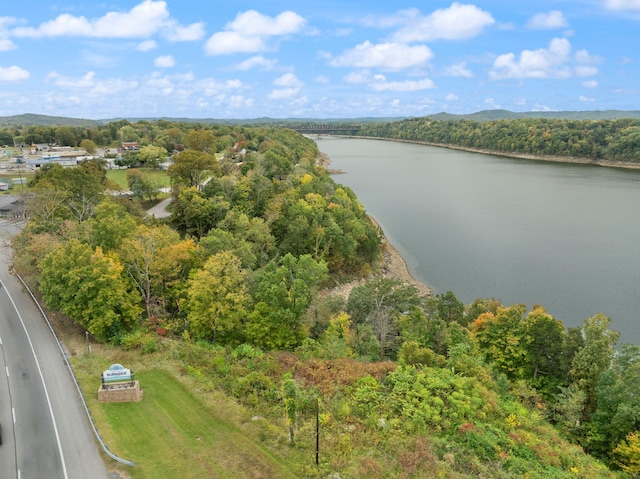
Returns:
<point x="13" y="413"/>
<point x="7" y="368"/>
<point x="46" y="393"/>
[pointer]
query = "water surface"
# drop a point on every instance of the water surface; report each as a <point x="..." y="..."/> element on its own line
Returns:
<point x="564" y="236"/>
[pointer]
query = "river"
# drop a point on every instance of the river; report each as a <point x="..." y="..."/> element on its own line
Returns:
<point x="564" y="236"/>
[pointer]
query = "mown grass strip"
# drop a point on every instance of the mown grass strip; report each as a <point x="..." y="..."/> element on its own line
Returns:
<point x="170" y="434"/>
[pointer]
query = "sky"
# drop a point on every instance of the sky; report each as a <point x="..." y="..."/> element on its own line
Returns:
<point x="316" y="59"/>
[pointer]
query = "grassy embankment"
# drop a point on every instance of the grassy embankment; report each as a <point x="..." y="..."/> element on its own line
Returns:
<point x="178" y="430"/>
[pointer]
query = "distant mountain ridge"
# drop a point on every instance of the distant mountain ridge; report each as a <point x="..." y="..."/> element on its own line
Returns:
<point x="32" y="119"/>
<point x="490" y="115"/>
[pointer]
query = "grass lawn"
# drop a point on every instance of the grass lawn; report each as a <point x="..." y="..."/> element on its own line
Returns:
<point x="158" y="177"/>
<point x="171" y="434"/>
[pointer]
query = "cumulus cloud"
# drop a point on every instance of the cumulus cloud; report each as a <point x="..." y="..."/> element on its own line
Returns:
<point x="13" y="73"/>
<point x="621" y="5"/>
<point x="288" y="80"/>
<point x="257" y="61"/>
<point x="6" y="45"/>
<point x="143" y="20"/>
<point x="548" y="62"/>
<point x="458" y="22"/>
<point x="291" y="87"/>
<point x="146" y="46"/>
<point x="384" y="56"/>
<point x="590" y="84"/>
<point x="459" y="70"/>
<point x="164" y="61"/>
<point x="92" y="84"/>
<point x="407" y="85"/>
<point x="548" y="21"/>
<point x="282" y="93"/>
<point x="586" y="99"/>
<point x="251" y="30"/>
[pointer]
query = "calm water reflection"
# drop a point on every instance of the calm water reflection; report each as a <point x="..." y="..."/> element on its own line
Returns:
<point x="566" y="237"/>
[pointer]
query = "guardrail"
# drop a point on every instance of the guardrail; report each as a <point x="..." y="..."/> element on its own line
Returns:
<point x="75" y="380"/>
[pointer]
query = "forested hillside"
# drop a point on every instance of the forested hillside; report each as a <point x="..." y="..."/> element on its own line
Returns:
<point x="236" y="286"/>
<point x="616" y="141"/>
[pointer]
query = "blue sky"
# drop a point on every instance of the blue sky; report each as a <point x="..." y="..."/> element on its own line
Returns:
<point x="317" y="59"/>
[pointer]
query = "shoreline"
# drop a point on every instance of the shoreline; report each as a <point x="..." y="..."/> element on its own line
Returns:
<point x="392" y="265"/>
<point x="521" y="156"/>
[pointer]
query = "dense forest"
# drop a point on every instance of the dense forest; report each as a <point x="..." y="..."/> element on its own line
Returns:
<point x="597" y="140"/>
<point x="237" y="285"/>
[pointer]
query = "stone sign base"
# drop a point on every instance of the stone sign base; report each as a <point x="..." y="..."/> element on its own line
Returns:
<point x="120" y="392"/>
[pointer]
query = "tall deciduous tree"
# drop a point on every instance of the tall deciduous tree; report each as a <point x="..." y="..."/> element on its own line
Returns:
<point x="89" y="287"/>
<point x="191" y="167"/>
<point x="283" y="294"/>
<point x="218" y="299"/>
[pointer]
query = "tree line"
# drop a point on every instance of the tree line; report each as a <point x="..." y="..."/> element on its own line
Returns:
<point x="607" y="140"/>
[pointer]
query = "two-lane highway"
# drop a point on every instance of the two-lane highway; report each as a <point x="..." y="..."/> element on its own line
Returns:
<point x="46" y="432"/>
<point x="31" y="445"/>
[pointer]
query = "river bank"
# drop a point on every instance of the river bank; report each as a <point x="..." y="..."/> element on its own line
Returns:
<point x="392" y="266"/>
<point x="522" y="156"/>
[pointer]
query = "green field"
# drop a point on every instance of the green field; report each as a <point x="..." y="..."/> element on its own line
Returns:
<point x="158" y="177"/>
<point x="171" y="434"/>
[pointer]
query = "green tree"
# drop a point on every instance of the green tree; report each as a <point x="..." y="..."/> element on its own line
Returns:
<point x="200" y="140"/>
<point x="218" y="299"/>
<point x="152" y="155"/>
<point x="89" y="146"/>
<point x="594" y="358"/>
<point x="89" y="287"/>
<point x="283" y="293"/>
<point x="139" y="254"/>
<point x="191" y="167"/>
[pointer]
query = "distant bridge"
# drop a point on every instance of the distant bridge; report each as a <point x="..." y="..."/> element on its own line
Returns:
<point x="327" y="129"/>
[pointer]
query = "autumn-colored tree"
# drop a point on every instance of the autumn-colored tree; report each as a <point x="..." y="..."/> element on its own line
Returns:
<point x="218" y="300"/>
<point x="627" y="454"/>
<point x="89" y="287"/>
<point x="140" y="253"/>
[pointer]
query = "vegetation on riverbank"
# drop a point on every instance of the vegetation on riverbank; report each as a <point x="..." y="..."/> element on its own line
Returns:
<point x="615" y="142"/>
<point x="233" y="296"/>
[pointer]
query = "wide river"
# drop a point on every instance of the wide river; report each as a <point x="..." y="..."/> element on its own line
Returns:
<point x="564" y="236"/>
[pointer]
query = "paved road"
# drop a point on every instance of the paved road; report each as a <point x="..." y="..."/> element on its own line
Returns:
<point x="51" y="437"/>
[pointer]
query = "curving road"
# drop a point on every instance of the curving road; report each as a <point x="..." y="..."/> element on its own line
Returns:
<point x="46" y="433"/>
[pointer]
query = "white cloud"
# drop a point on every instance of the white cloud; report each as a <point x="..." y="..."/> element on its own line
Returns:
<point x="585" y="70"/>
<point x="459" y="70"/>
<point x="454" y="23"/>
<point x="586" y="99"/>
<point x="385" y="56"/>
<point x="357" y="77"/>
<point x="451" y="97"/>
<point x="143" y="20"/>
<point x="6" y="45"/>
<point x="146" y="46"/>
<point x="321" y="79"/>
<point x="250" y="30"/>
<point x="542" y="63"/>
<point x="622" y="4"/>
<point x="590" y="84"/>
<point x="548" y="21"/>
<point x="288" y="80"/>
<point x="178" y="33"/>
<point x="164" y="61"/>
<point x="283" y="93"/>
<point x="91" y="84"/>
<point x="212" y="87"/>
<point x="408" y="85"/>
<point x="13" y="73"/>
<point x="257" y="61"/>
